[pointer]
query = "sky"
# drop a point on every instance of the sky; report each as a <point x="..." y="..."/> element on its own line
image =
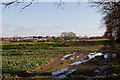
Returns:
<point x="46" y="19"/>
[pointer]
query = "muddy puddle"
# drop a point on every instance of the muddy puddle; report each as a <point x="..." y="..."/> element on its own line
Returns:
<point x="110" y="55"/>
<point x="59" y="71"/>
<point x="66" y="56"/>
<point x="61" y="74"/>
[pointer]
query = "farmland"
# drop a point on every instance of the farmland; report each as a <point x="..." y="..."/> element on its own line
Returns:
<point x="24" y="59"/>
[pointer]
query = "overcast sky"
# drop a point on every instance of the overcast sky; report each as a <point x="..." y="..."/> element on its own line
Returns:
<point x="45" y="19"/>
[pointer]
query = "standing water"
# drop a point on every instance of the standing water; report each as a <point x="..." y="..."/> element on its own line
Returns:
<point x="90" y="56"/>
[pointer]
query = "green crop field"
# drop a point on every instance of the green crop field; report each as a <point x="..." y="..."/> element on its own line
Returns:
<point x="18" y="58"/>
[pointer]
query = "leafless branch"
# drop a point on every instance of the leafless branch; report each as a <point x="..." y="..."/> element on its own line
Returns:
<point x="27" y="5"/>
<point x="7" y="4"/>
<point x="59" y="4"/>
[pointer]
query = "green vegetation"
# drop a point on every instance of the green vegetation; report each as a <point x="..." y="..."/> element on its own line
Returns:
<point x="98" y="39"/>
<point x="20" y="58"/>
<point x="23" y="62"/>
<point x="30" y="48"/>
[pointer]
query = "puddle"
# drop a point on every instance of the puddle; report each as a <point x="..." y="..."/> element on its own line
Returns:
<point x="93" y="55"/>
<point x="97" y="71"/>
<point x="90" y="56"/>
<point x="61" y="76"/>
<point x="64" y="75"/>
<point x="77" y="56"/>
<point x="70" y="71"/>
<point x="64" y="57"/>
<point x="71" y="58"/>
<point x="76" y="63"/>
<point x="110" y="55"/>
<point x="59" y="71"/>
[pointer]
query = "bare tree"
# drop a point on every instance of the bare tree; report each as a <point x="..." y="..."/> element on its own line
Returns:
<point x="111" y="17"/>
<point x="30" y="2"/>
<point x="68" y="34"/>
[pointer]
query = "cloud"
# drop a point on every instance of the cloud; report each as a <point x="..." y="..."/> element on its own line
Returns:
<point x="17" y="30"/>
<point x="55" y="30"/>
